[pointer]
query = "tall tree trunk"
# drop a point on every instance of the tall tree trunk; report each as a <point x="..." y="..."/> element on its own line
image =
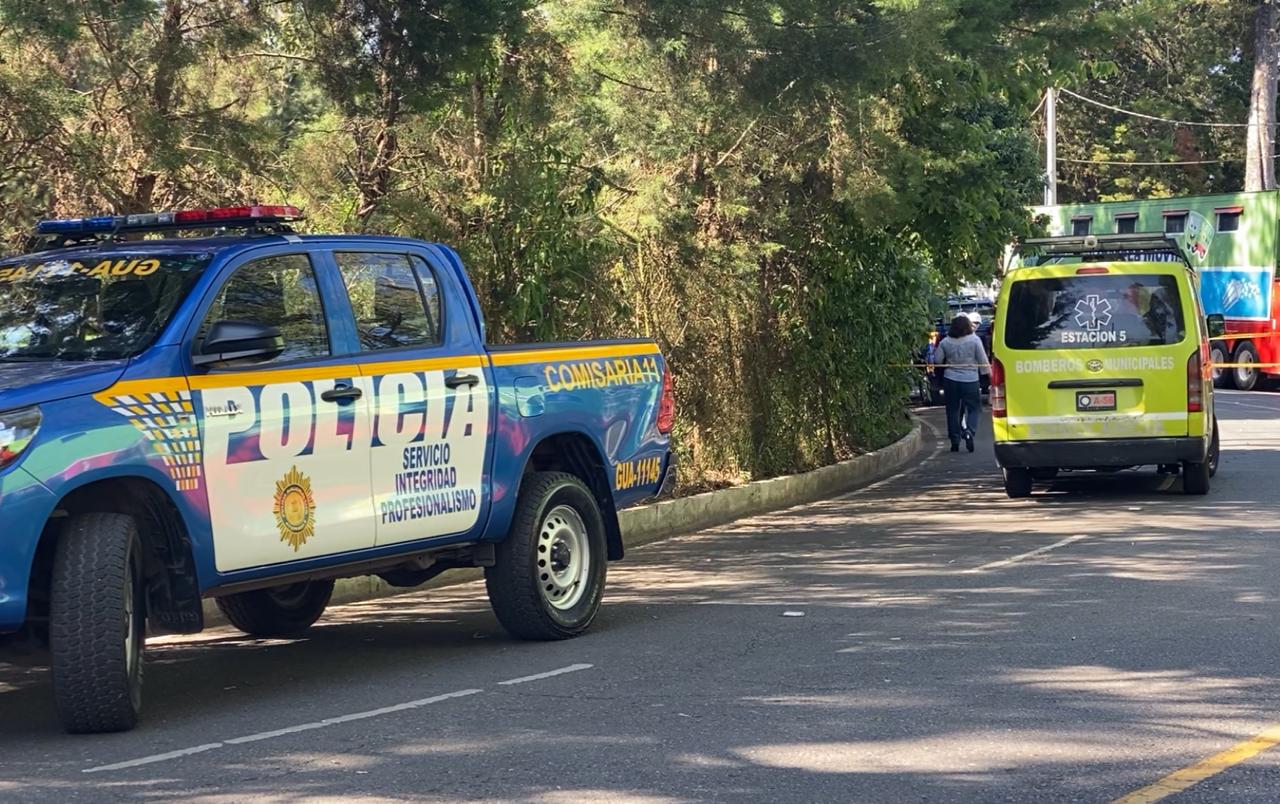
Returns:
<point x="165" y="54"/>
<point x="1260" y="163"/>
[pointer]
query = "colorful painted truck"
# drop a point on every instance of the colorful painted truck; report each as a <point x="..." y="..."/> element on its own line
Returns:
<point x="249" y="415"/>
<point x="1231" y="241"/>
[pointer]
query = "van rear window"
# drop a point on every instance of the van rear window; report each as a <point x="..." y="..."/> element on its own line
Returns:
<point x="1094" y="311"/>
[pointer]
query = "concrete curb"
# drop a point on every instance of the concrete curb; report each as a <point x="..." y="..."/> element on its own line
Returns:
<point x="661" y="520"/>
<point x="650" y="523"/>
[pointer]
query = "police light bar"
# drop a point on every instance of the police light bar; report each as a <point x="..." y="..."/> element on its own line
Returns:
<point x="216" y="217"/>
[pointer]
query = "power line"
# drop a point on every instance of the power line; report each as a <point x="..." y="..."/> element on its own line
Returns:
<point x="1156" y="118"/>
<point x="1150" y="164"/>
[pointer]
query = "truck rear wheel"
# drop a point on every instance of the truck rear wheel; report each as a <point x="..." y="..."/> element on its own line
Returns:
<point x="1217" y="356"/>
<point x="97" y="623"/>
<point x="548" y="577"/>
<point x="1245" y="378"/>
<point x="1017" y="482"/>
<point x="279" y="611"/>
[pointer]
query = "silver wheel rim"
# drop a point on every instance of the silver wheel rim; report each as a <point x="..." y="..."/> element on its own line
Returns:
<point x="130" y="632"/>
<point x="564" y="558"/>
<point x="1245" y="375"/>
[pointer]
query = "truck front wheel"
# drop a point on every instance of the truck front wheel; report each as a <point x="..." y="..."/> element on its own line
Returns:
<point x="548" y="577"/>
<point x="279" y="611"/>
<point x="97" y="623"/>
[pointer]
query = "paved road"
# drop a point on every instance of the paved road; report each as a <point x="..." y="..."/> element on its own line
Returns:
<point x="939" y="658"/>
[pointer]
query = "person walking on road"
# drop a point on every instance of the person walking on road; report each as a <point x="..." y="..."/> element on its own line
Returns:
<point x="965" y="360"/>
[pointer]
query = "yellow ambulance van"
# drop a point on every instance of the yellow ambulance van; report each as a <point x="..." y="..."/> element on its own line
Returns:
<point x="1101" y="362"/>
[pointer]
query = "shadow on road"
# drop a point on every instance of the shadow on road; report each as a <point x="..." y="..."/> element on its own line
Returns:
<point x="910" y="667"/>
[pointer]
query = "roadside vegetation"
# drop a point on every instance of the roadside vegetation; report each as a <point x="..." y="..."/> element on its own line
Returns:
<point x="772" y="190"/>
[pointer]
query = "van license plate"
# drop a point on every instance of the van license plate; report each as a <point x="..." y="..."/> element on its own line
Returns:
<point x="1095" y="400"/>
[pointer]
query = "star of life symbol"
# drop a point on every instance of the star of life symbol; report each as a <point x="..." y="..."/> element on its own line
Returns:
<point x="1093" y="312"/>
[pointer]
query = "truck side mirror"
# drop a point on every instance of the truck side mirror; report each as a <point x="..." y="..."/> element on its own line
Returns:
<point x="1217" y="325"/>
<point x="229" y="341"/>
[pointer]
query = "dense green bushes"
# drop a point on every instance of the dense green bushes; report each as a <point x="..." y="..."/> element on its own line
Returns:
<point x="771" y="190"/>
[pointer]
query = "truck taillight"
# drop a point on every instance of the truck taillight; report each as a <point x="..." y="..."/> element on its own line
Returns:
<point x="667" y="405"/>
<point x="999" y="408"/>
<point x="1197" y="365"/>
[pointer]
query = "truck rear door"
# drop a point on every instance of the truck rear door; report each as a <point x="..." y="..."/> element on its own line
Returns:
<point x="432" y="394"/>
<point x="1095" y="352"/>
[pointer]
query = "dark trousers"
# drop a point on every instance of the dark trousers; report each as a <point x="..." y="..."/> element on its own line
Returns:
<point x="964" y="406"/>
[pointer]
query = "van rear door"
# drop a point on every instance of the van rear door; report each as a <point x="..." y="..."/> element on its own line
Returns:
<point x="1095" y="352"/>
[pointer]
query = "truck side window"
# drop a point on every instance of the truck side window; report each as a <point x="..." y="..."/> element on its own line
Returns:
<point x="430" y="291"/>
<point x="279" y="291"/>
<point x="387" y="297"/>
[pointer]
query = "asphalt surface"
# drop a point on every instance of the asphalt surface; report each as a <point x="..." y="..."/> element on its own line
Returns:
<point x="897" y="644"/>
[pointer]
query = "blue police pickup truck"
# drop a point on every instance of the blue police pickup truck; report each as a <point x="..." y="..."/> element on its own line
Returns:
<point x="248" y="414"/>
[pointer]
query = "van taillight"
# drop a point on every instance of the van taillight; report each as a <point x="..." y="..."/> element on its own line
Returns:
<point x="667" y="404"/>
<point x="1196" y="365"/>
<point x="999" y="408"/>
<point x="1092" y="269"/>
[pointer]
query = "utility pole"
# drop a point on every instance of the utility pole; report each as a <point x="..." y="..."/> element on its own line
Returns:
<point x="1051" y="146"/>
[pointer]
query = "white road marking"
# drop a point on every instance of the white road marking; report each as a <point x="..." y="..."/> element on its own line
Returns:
<point x="155" y="758"/>
<point x="1267" y="408"/>
<point x="573" y="668"/>
<point x="267" y="735"/>
<point x="1023" y="556"/>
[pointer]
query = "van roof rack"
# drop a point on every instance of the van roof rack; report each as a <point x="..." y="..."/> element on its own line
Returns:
<point x="1116" y="247"/>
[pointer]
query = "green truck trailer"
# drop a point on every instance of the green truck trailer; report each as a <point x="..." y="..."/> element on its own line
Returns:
<point x="1231" y="241"/>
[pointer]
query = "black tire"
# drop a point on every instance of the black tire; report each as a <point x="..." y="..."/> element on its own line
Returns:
<point x="1017" y="482"/>
<point x="518" y="581"/>
<point x="97" y="623"/>
<point x="1222" y="378"/>
<point x="1215" y="450"/>
<point x="280" y="611"/>
<point x="935" y="394"/>
<point x="1195" y="477"/>
<point x="1245" y="379"/>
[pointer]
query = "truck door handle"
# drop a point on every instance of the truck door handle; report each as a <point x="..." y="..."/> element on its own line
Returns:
<point x="459" y="380"/>
<point x="342" y="393"/>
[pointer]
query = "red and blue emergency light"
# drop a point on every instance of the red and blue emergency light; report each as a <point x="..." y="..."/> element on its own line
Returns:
<point x="216" y="217"/>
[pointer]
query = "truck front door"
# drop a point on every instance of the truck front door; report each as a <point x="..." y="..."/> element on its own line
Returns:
<point x="286" y="437"/>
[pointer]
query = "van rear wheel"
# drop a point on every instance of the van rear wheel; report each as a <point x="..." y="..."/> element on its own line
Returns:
<point x="1195" y="477"/>
<point x="1017" y="482"/>
<point x="1215" y="450"/>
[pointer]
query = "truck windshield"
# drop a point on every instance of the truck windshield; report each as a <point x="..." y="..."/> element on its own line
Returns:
<point x="101" y="307"/>
<point x="1094" y="311"/>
